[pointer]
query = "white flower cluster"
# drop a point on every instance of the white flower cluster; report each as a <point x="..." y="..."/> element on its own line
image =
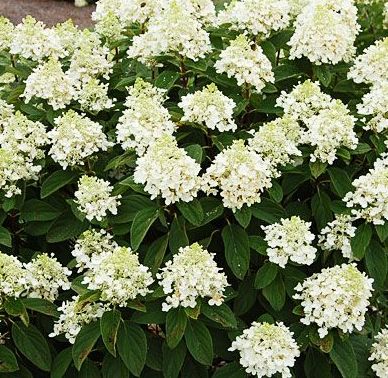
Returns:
<point x="371" y="66"/>
<point x="119" y="276"/>
<point x="256" y="16"/>
<point x="192" y="274"/>
<point x="6" y="33"/>
<point x="267" y="349"/>
<point x="168" y="171"/>
<point x="240" y="174"/>
<point x="337" y="297"/>
<point x="379" y="354"/>
<point x="246" y="62"/>
<point x="209" y="107"/>
<point x="325" y="32"/>
<point x="145" y="118"/>
<point x="277" y="141"/>
<point x="45" y="276"/>
<point x="74" y="315"/>
<point x="91" y="248"/>
<point x="94" y="198"/>
<point x="337" y="234"/>
<point x="12" y="277"/>
<point x="290" y="239"/>
<point x="174" y="29"/>
<point x="74" y="138"/>
<point x="369" y="200"/>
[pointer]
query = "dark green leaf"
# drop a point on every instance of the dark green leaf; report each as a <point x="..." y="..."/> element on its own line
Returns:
<point x="141" y="224"/>
<point x="41" y="305"/>
<point x="173" y="360"/>
<point x="231" y="370"/>
<point x="176" y="321"/>
<point x="36" y="210"/>
<point x="195" y="151"/>
<point x="265" y="275"/>
<point x="166" y="79"/>
<point x="8" y="362"/>
<point x="340" y="180"/>
<point x="361" y="240"/>
<point x="344" y="358"/>
<point x="109" y="326"/>
<point x="199" y="342"/>
<point x="65" y="227"/>
<point x="275" y="293"/>
<point x="320" y="206"/>
<point x="155" y="253"/>
<point x="61" y="363"/>
<point x="221" y="314"/>
<point x="192" y="211"/>
<point x="5" y="237"/>
<point x="317" y="168"/>
<point x="178" y="236"/>
<point x="382" y="231"/>
<point x="56" y="181"/>
<point x="243" y="216"/>
<point x="376" y="263"/>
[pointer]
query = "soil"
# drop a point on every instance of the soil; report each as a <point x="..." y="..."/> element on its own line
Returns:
<point x="49" y="11"/>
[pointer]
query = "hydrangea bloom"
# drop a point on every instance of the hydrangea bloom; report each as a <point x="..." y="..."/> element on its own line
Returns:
<point x="73" y="316"/>
<point x="91" y="248"/>
<point x="246" y="62"/>
<point x="94" y="198"/>
<point x="256" y="16"/>
<point x="336" y="297"/>
<point x="93" y="96"/>
<point x="120" y="277"/>
<point x="167" y="170"/>
<point x="290" y="239"/>
<point x="241" y="175"/>
<point x="267" y="349"/>
<point x="74" y="138"/>
<point x="325" y="32"/>
<point x="172" y="30"/>
<point x="329" y="130"/>
<point x="12" y="277"/>
<point x="145" y="118"/>
<point x="110" y="27"/>
<point x="209" y="107"/>
<point x="6" y="112"/>
<point x="371" y="65"/>
<point x="337" y="234"/>
<point x="379" y="354"/>
<point x="192" y="274"/>
<point x="45" y="276"/>
<point x="68" y="34"/>
<point x="369" y="200"/>
<point x="6" y="33"/>
<point x="48" y="81"/>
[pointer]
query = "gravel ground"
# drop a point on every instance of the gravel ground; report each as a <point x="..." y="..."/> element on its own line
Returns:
<point x="48" y="11"/>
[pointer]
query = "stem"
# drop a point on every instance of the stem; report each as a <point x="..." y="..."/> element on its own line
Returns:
<point x="14" y="66"/>
<point x="183" y="71"/>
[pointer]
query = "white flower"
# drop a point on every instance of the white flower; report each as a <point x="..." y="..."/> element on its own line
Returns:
<point x="277" y="141"/>
<point x="120" y="277"/>
<point x="337" y="297"/>
<point x="145" y="118"/>
<point x="6" y="33"/>
<point x="241" y="175"/>
<point x="32" y="40"/>
<point x="12" y="277"/>
<point x="167" y="170"/>
<point x="256" y="16"/>
<point x="91" y="248"/>
<point x="290" y="240"/>
<point x="371" y="65"/>
<point x="209" y="107"/>
<point x="379" y="354"/>
<point x="267" y="349"/>
<point x="337" y="234"/>
<point x="6" y="112"/>
<point x="369" y="200"/>
<point x="68" y="34"/>
<point x="192" y="274"/>
<point x="329" y="130"/>
<point x="172" y="30"/>
<point x="94" y="198"/>
<point x="74" y="138"/>
<point x="305" y="100"/>
<point x="110" y="26"/>
<point x="45" y="276"/>
<point x="74" y="316"/>
<point x="325" y="32"/>
<point x="297" y="6"/>
<point x="246" y="62"/>
<point x="48" y="81"/>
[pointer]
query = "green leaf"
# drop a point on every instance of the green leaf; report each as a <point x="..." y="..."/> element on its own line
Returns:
<point x="243" y="216"/>
<point x="231" y="370"/>
<point x="268" y="211"/>
<point x="382" y="231"/>
<point x="109" y="326"/>
<point x="5" y="237"/>
<point x="344" y="358"/>
<point x="141" y="224"/>
<point x="15" y="307"/>
<point x="89" y="370"/>
<point x="323" y="74"/>
<point x="317" y="168"/>
<point x="41" y="305"/>
<point x="212" y="209"/>
<point x="8" y="362"/>
<point x="84" y="343"/>
<point x="361" y="240"/>
<point x="340" y="180"/>
<point x="316" y="365"/>
<point x="276" y="192"/>
<point x="61" y="363"/>
<point x="129" y="207"/>
<point x="320" y="206"/>
<point x="275" y="293"/>
<point x="178" y="236"/>
<point x="265" y="275"/>
<point x="65" y="227"/>
<point x="56" y="181"/>
<point x="199" y="342"/>
<point x="173" y="360"/>
<point x="114" y="368"/>
<point x="132" y="347"/>
<point x="176" y="321"/>
<point x="192" y="211"/>
<point x="237" y="251"/>
<point x="36" y="210"/>
<point x="221" y="314"/>
<point x="32" y="345"/>
<point x="155" y="253"/>
<point x="258" y="244"/>
<point x="166" y="79"/>
<point x="376" y="263"/>
<point x="195" y="151"/>
<point x="286" y="71"/>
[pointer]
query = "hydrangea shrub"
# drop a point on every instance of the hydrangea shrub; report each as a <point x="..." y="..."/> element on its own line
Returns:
<point x="195" y="190"/>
